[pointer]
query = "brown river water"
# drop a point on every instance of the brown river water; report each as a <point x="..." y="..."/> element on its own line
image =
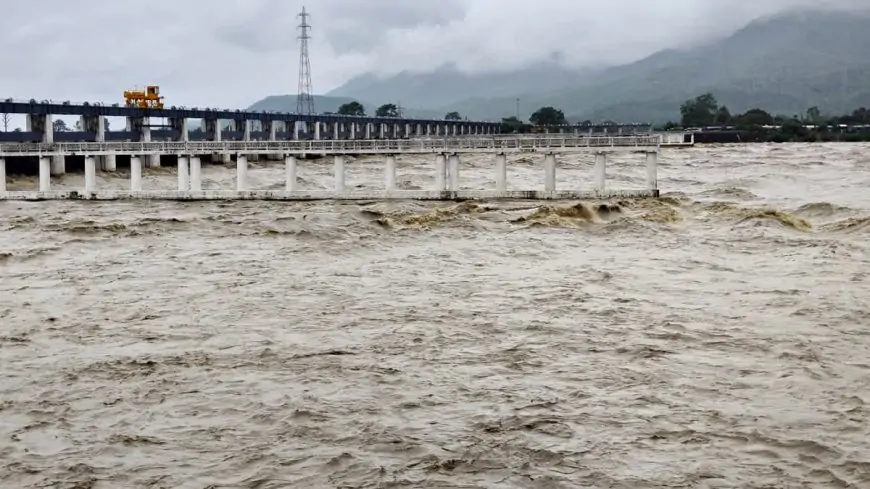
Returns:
<point x="717" y="337"/>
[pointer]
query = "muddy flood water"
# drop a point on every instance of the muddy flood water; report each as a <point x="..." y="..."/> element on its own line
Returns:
<point x="717" y="337"/>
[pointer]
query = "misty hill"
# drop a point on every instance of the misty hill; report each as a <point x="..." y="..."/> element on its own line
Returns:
<point x="447" y="85"/>
<point x="784" y="64"/>
<point x="326" y="103"/>
<point x="287" y="103"/>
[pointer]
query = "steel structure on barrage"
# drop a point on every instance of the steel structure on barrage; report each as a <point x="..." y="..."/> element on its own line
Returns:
<point x="50" y="108"/>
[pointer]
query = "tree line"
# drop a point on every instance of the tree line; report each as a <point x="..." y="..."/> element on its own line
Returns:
<point x="704" y="111"/>
<point x="357" y="109"/>
<point x="541" y="118"/>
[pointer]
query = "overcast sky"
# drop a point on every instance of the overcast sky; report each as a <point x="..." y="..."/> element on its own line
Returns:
<point x="230" y="53"/>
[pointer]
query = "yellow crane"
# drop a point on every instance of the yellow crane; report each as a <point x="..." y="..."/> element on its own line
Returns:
<point x="149" y="98"/>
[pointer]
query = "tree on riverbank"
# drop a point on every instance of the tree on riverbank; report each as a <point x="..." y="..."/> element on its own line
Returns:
<point x="352" y="108"/>
<point x="387" y="110"/>
<point x="757" y="124"/>
<point x="548" y="116"/>
<point x="512" y="125"/>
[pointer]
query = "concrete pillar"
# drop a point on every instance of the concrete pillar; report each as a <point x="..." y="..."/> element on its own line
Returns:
<point x="652" y="163"/>
<point x="180" y="125"/>
<point x="58" y="165"/>
<point x="368" y="130"/>
<point x="135" y="174"/>
<point x="600" y="171"/>
<point x="49" y="131"/>
<point x="109" y="163"/>
<point x="183" y="174"/>
<point x="246" y="130"/>
<point x="241" y="173"/>
<point x="41" y="123"/>
<point x="316" y="130"/>
<point x="273" y="131"/>
<point x="213" y="126"/>
<point x="440" y="172"/>
<point x="383" y="131"/>
<point x="145" y="131"/>
<point x="151" y="160"/>
<point x="2" y="175"/>
<point x="335" y="131"/>
<point x="501" y="172"/>
<point x="453" y="172"/>
<point x="339" y="173"/>
<point x="290" y="173"/>
<point x="390" y="173"/>
<point x="90" y="174"/>
<point x="353" y="130"/>
<point x="549" y="172"/>
<point x="195" y="173"/>
<point x="395" y="131"/>
<point x="44" y="174"/>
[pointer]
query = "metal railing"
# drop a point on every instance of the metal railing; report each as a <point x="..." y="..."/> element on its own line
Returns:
<point x="466" y="144"/>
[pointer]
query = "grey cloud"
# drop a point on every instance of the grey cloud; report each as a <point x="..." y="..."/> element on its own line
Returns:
<point x="345" y="26"/>
<point x="232" y="52"/>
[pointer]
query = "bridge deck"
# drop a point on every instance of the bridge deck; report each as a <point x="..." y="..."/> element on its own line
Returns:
<point x="501" y="144"/>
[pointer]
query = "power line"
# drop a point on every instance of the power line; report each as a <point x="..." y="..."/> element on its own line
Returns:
<point x="305" y="92"/>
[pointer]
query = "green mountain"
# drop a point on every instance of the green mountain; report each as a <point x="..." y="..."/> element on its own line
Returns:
<point x="783" y="64"/>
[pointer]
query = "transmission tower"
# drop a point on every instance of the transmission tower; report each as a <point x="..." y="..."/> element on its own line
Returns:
<point x="304" y="94"/>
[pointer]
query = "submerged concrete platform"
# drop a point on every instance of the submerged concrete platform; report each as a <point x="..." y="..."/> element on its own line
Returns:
<point x="447" y="168"/>
<point x="300" y="196"/>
